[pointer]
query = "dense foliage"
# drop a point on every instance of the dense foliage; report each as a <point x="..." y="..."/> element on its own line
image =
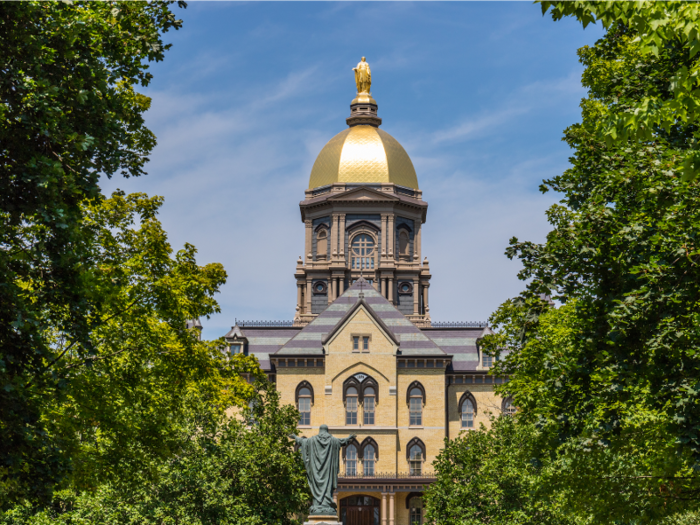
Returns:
<point x="494" y="476"/>
<point x="668" y="30"/>
<point x="225" y="472"/>
<point x="69" y="114"/>
<point x="614" y="373"/>
<point x="117" y="410"/>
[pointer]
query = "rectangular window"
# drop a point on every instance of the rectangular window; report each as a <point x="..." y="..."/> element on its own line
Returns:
<point x="356" y="344"/>
<point x="487" y="361"/>
<point x="350" y="467"/>
<point x="304" y="410"/>
<point x="365" y="344"/>
<point x="369" y="467"/>
<point x="369" y="411"/>
<point x="415" y="466"/>
<point x="351" y="411"/>
<point x="236" y="349"/>
<point x="416" y="411"/>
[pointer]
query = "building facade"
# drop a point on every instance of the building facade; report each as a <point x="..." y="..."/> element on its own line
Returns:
<point x="362" y="354"/>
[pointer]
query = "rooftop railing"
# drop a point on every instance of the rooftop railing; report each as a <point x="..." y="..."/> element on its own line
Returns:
<point x="291" y="324"/>
<point x="459" y="324"/>
<point x="388" y="475"/>
<point x="265" y="324"/>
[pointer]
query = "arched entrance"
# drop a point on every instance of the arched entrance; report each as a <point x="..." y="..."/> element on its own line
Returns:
<point x="359" y="510"/>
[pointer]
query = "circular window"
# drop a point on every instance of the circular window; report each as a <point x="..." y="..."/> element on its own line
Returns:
<point x="363" y="245"/>
<point x="320" y="287"/>
<point x="406" y="288"/>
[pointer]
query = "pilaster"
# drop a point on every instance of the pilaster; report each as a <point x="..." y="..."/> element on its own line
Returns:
<point x="417" y="240"/>
<point x="385" y="234"/>
<point x="390" y="250"/>
<point x="309" y="231"/>
<point x="334" y="237"/>
<point x="341" y="237"/>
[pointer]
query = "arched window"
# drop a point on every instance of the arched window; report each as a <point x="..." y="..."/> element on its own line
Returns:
<point x="467" y="414"/>
<point x="304" y="399"/>
<point x="321" y="244"/>
<point x="416" y="400"/>
<point x="351" y="460"/>
<point x="351" y="406"/>
<point x="362" y="252"/>
<point x="415" y="452"/>
<point x="368" y="404"/>
<point x="508" y="408"/>
<point x="369" y="457"/>
<point x="404" y="244"/>
<point x="415" y="505"/>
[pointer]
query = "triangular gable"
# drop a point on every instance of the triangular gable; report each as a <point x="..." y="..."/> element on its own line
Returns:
<point x="234" y="332"/>
<point x="368" y="309"/>
<point x="363" y="193"/>
<point x="310" y="340"/>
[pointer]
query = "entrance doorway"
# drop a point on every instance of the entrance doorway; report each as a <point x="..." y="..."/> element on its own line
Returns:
<point x="359" y="510"/>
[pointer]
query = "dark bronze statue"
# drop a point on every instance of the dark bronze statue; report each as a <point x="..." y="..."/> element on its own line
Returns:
<point x="321" y="459"/>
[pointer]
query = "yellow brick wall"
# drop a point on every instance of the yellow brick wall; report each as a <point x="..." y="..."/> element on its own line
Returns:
<point x="487" y="404"/>
<point x="432" y="431"/>
<point x="391" y="430"/>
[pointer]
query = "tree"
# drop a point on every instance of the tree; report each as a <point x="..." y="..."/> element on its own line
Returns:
<point x="614" y="371"/>
<point x="122" y="404"/>
<point x="494" y="476"/>
<point x="227" y="472"/>
<point x="657" y="28"/>
<point x="69" y="113"/>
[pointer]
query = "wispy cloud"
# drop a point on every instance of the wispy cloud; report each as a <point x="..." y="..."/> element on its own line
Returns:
<point x="472" y="127"/>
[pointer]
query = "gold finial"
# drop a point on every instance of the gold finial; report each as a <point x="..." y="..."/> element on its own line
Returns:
<point x="363" y="77"/>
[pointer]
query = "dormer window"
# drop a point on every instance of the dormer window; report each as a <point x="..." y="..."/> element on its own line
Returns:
<point x="236" y="348"/>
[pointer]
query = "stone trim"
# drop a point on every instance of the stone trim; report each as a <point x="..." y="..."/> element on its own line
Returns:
<point x="303" y="384"/>
<point x="409" y="446"/>
<point x="419" y="386"/>
<point x="467" y="395"/>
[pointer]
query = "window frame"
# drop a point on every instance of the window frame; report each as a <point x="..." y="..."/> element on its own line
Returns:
<point x="365" y="398"/>
<point x="365" y="448"/>
<point x="322" y="229"/>
<point x="415" y="442"/>
<point x="350" y="415"/>
<point x="411" y="510"/>
<point x="410" y="401"/>
<point x="504" y="405"/>
<point x="372" y="255"/>
<point x="467" y="396"/>
<point x="354" y="460"/>
<point x="405" y="254"/>
<point x="298" y="396"/>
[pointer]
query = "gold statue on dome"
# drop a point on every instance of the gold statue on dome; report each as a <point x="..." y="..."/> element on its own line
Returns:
<point x="363" y="77"/>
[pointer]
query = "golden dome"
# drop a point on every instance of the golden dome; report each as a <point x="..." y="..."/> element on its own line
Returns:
<point x="363" y="154"/>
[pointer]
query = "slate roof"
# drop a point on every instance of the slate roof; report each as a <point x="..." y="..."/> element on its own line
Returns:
<point x="309" y="340"/>
<point x="460" y="344"/>
<point x="263" y="342"/>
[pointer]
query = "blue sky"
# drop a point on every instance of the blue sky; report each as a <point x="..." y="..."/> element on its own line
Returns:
<point x="478" y="94"/>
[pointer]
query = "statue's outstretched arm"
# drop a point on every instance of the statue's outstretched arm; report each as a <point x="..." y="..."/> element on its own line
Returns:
<point x="297" y="439"/>
<point x="345" y="441"/>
